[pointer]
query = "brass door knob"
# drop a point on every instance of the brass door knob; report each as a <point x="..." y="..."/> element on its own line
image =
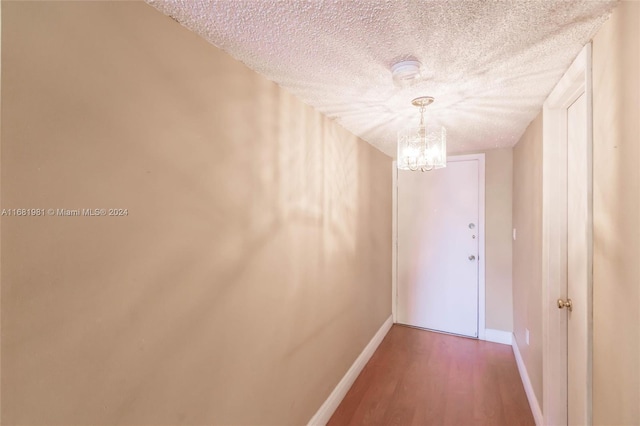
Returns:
<point x="565" y="304"/>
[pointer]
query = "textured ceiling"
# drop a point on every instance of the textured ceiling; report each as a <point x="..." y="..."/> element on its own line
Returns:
<point x="489" y="64"/>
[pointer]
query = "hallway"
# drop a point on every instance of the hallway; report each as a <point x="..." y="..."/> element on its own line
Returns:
<point x="418" y="377"/>
<point x="199" y="212"/>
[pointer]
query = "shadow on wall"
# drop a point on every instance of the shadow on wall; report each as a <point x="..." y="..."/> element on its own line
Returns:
<point x="256" y="240"/>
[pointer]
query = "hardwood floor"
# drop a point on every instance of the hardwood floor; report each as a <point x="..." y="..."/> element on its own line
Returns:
<point x="419" y="377"/>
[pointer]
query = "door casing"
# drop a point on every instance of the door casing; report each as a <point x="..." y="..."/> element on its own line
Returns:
<point x="576" y="81"/>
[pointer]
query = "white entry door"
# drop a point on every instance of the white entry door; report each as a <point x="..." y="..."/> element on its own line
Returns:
<point x="439" y="234"/>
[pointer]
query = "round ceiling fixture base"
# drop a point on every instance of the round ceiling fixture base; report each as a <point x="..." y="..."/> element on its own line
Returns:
<point x="423" y="101"/>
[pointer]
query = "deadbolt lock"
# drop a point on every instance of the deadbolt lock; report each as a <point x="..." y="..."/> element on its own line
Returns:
<point x="565" y="304"/>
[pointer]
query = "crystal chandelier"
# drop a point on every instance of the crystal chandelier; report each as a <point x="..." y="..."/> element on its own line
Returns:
<point x="424" y="147"/>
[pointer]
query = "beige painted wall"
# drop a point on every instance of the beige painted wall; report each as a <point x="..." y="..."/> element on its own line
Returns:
<point x="527" y="250"/>
<point x="498" y="240"/>
<point x="616" y="215"/>
<point x="0" y="215"/>
<point x="255" y="260"/>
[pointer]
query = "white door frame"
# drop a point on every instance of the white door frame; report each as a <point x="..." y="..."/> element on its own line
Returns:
<point x="481" y="259"/>
<point x="576" y="81"/>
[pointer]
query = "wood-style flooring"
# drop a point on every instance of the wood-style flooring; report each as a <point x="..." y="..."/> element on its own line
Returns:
<point x="418" y="377"/>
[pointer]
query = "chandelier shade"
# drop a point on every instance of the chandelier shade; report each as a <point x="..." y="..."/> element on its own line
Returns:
<point x="423" y="147"/>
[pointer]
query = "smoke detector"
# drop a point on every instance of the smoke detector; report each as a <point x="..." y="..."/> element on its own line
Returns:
<point x="405" y="72"/>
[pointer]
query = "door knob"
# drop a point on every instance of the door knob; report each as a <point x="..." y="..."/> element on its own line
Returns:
<point x="472" y="257"/>
<point x="565" y="304"/>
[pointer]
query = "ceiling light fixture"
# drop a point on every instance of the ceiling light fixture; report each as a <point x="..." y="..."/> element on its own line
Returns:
<point x="424" y="147"/>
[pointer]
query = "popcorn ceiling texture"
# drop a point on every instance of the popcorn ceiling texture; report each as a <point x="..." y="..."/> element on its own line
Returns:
<point x="489" y="64"/>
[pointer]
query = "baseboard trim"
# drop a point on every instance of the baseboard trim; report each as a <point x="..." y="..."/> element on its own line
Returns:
<point x="528" y="388"/>
<point x="498" y="336"/>
<point x="327" y="409"/>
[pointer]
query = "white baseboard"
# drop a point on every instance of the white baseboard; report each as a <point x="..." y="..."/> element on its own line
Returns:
<point x="327" y="409"/>
<point x="498" y="336"/>
<point x="531" y="396"/>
